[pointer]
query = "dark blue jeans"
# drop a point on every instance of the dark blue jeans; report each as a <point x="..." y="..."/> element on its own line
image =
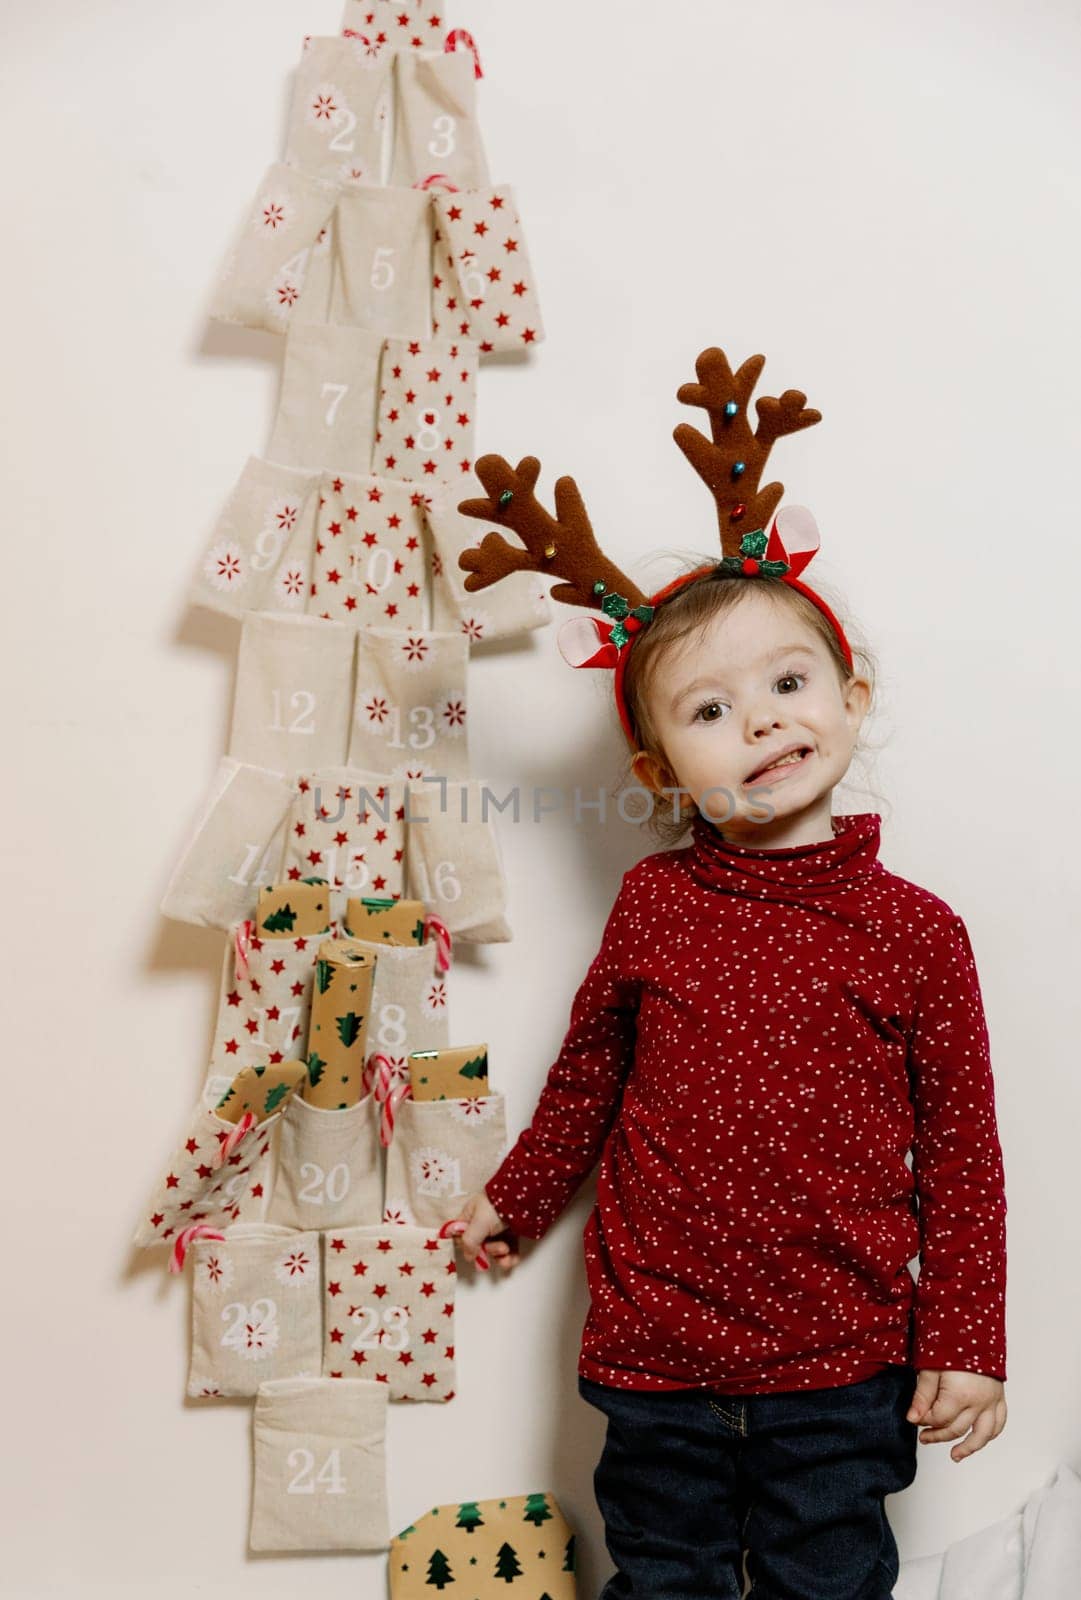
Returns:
<point x="689" y="1479"/>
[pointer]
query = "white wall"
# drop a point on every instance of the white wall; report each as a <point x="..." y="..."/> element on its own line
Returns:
<point x="884" y="199"/>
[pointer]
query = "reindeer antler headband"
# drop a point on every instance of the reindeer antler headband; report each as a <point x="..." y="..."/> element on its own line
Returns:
<point x="731" y="464"/>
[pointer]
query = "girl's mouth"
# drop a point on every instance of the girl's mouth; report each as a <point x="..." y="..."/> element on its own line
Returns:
<point x="795" y="762"/>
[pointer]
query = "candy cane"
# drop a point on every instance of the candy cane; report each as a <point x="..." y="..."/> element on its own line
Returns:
<point x="245" y="932"/>
<point x="451" y="1230"/>
<point x="461" y="36"/>
<point x="198" y="1230"/>
<point x="379" y="1079"/>
<point x="437" y="180"/>
<point x="443" y="942"/>
<point x="239" y="1131"/>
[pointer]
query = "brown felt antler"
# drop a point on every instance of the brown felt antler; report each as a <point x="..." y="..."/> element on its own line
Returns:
<point x="732" y="465"/>
<point x="563" y="546"/>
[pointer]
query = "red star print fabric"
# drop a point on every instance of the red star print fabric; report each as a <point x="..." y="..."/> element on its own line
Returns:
<point x="760" y="1040"/>
<point x="441" y="1151"/>
<point x="427" y="411"/>
<point x="264" y="1001"/>
<point x="392" y="25"/>
<point x="348" y="827"/>
<point x="264" y="273"/>
<point x="256" y="1309"/>
<point x="483" y="282"/>
<point x="371" y="559"/>
<point x="435" y="121"/>
<point x="233" y="850"/>
<point x="329" y="1172"/>
<point x="293" y="695"/>
<point x="200" y="1186"/>
<point x="390" y="1296"/>
<point x="325" y="416"/>
<point x="409" y="714"/>
<point x="339" y="111"/>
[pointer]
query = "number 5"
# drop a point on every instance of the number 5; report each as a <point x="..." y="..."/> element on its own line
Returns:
<point x="382" y="268"/>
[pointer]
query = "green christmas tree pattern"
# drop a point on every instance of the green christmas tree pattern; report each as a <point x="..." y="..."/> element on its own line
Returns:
<point x="439" y="1572"/>
<point x="536" y="1509"/>
<point x="469" y="1516"/>
<point x="506" y="1564"/>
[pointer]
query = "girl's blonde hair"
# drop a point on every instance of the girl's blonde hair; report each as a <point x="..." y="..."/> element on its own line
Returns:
<point x="687" y="612"/>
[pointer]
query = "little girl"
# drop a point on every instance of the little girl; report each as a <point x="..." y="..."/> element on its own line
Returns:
<point x="772" y="1022"/>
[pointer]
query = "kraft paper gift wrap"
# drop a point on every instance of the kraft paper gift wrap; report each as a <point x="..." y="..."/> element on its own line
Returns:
<point x="515" y="605"/>
<point x="341" y="1015"/>
<point x="293" y="910"/>
<point x="198" y="1186"/>
<point x="233" y="850"/>
<point x="435" y="121"/>
<point x="381" y="921"/>
<point x="326" y="408"/>
<point x="370" y="567"/>
<point x="258" y="557"/>
<point x="391" y="25"/>
<point x="456" y="1073"/>
<point x="320" y="1465"/>
<point x="256" y="1309"/>
<point x="409" y="1003"/>
<point x="347" y="825"/>
<point x="263" y="276"/>
<point x="455" y="863"/>
<point x="390" y="1309"/>
<point x="427" y="411"/>
<point x="442" y="1151"/>
<point x="338" y="113"/>
<point x="486" y="290"/>
<point x="381" y="269"/>
<point x="264" y="998"/>
<point x="481" y="1549"/>
<point x="294" y="691"/>
<point x="409" y="711"/>
<point x="330" y="1172"/>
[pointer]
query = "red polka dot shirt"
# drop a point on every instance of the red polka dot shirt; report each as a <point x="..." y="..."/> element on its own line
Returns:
<point x="761" y="1039"/>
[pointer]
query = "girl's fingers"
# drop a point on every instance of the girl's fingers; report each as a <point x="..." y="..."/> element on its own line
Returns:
<point x="951" y="1430"/>
<point x="982" y="1429"/>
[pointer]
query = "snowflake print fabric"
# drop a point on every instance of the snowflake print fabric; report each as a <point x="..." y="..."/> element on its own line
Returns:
<point x="293" y="694"/>
<point x="258" y="557"/>
<point x="427" y="411"/>
<point x="338" y="115"/>
<point x="371" y="556"/>
<point x="441" y="1151"/>
<point x="199" y="1186"/>
<point x="320" y="1465"/>
<point x="263" y="278"/>
<point x="515" y="605"/>
<point x="435" y="121"/>
<point x="233" y="849"/>
<point x="409" y="715"/>
<point x="381" y="270"/>
<point x="329" y="1167"/>
<point x="256" y="1309"/>
<point x="390" y="1297"/>
<point x="455" y="863"/>
<point x="264" y="1002"/>
<point x="326" y="410"/>
<point x="483" y="281"/>
<point x="409" y="1003"/>
<point x="348" y="826"/>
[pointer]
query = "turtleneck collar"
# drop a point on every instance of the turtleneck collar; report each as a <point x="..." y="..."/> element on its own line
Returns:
<point x="802" y="871"/>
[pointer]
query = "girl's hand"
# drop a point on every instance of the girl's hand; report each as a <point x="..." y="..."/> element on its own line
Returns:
<point x="947" y="1404"/>
<point x="483" y="1223"/>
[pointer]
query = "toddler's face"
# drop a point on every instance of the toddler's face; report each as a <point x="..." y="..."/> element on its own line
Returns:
<point x="751" y="685"/>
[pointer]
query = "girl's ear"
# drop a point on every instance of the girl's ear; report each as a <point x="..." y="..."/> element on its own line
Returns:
<point x="651" y="772"/>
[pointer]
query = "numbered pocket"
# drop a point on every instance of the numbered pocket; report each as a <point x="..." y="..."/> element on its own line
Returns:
<point x="347" y="825"/>
<point x="435" y="121"/>
<point x="454" y="859"/>
<point x="264" y="1001"/>
<point x="371" y="565"/>
<point x="320" y="1465"/>
<point x="259" y="554"/>
<point x="263" y="278"/>
<point x="256" y="1309"/>
<point x="409" y="713"/>
<point x="442" y="1151"/>
<point x="390" y="1309"/>
<point x="427" y="411"/>
<point x="486" y="287"/>
<point x="338" y="113"/>
<point x="233" y="849"/>
<point x="293" y="692"/>
<point x="326" y="409"/>
<point x="207" y="1181"/>
<point x="409" y="1003"/>
<point x="383" y="262"/>
<point x="515" y="605"/>
<point x="329" y="1168"/>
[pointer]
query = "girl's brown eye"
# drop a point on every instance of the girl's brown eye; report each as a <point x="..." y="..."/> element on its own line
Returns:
<point x="710" y="705"/>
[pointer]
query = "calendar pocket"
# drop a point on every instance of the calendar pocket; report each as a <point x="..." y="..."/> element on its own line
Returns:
<point x="371" y="566"/>
<point x="382" y="262"/>
<point x="329" y="1167"/>
<point x="409" y="713"/>
<point x="486" y="282"/>
<point x="210" y="1178"/>
<point x="326" y="409"/>
<point x="427" y="411"/>
<point x="442" y="1151"/>
<point x="264" y="1000"/>
<point x="455" y="864"/>
<point x="390" y="1310"/>
<point x="338" y="113"/>
<point x="294" y="684"/>
<point x="320" y="1465"/>
<point x="256" y="1309"/>
<point x="515" y="605"/>
<point x="233" y="849"/>
<point x="435" y="121"/>
<point x="347" y="825"/>
<point x="259" y="555"/>
<point x="392" y="25"/>
<point x="263" y="277"/>
<point x="409" y="1003"/>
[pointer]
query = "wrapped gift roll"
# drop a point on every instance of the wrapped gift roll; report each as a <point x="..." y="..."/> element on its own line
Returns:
<point x="389" y="1303"/>
<point x="454" y="859"/>
<point x="380" y="921"/>
<point x="212" y="1178"/>
<point x="341" y="1010"/>
<point x="326" y="408"/>
<point x="409" y="1006"/>
<point x="338" y="111"/>
<point x="381" y="274"/>
<point x="256" y="1309"/>
<point x="427" y="411"/>
<point x="459" y="1072"/>
<point x="347" y="825"/>
<point x="293" y="910"/>
<point x="263" y="277"/>
<point x="523" y="1540"/>
<point x="371" y="564"/>
<point x="265" y="995"/>
<point x="258" y="557"/>
<point x="294" y="685"/>
<point x="487" y="291"/>
<point x="320" y="1465"/>
<point x="435" y="122"/>
<point x="233" y="849"/>
<point x="257" y="1091"/>
<point x="329" y="1166"/>
<point x="442" y="1151"/>
<point x="409" y="710"/>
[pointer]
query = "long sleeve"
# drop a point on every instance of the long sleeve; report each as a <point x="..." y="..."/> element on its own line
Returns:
<point x="579" y="1101"/>
<point x="958" y="1170"/>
